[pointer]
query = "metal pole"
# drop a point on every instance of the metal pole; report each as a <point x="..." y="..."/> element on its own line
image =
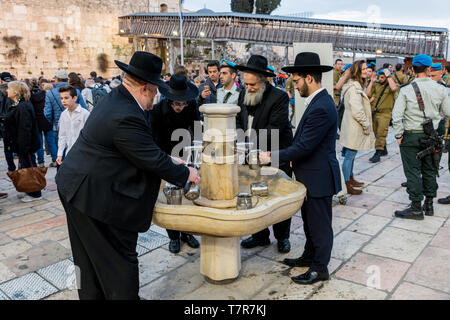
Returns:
<point x="171" y="55"/>
<point x="212" y="50"/>
<point x="286" y="55"/>
<point x="181" y="42"/>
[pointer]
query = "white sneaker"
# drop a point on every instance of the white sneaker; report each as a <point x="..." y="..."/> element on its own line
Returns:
<point x="27" y="198"/>
<point x="20" y="195"/>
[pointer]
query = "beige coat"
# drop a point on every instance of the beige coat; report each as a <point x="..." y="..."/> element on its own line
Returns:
<point x="356" y="128"/>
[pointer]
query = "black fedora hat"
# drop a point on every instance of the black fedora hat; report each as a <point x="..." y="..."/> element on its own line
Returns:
<point x="307" y="61"/>
<point x="179" y="89"/>
<point x="144" y="66"/>
<point x="257" y="64"/>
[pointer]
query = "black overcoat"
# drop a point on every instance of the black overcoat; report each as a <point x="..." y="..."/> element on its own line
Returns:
<point x="113" y="171"/>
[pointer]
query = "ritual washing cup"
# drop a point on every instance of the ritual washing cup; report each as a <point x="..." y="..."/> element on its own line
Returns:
<point x="174" y="195"/>
<point x="244" y="201"/>
<point x="259" y="189"/>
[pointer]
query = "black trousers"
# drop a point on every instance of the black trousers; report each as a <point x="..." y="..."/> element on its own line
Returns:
<point x="317" y="215"/>
<point x="105" y="257"/>
<point x="174" y="234"/>
<point x="281" y="230"/>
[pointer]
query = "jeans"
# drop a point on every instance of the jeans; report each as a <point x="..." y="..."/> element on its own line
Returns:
<point x="25" y="163"/>
<point x="347" y="165"/>
<point x="52" y="146"/>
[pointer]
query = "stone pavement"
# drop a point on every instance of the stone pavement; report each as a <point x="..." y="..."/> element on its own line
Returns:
<point x="375" y="256"/>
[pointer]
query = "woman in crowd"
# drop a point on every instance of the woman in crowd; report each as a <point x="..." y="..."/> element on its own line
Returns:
<point x="38" y="101"/>
<point x="178" y="110"/>
<point x="356" y="128"/>
<point x="75" y="81"/>
<point x="21" y="130"/>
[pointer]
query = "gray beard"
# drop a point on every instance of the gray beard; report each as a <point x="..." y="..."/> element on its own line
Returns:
<point x="253" y="99"/>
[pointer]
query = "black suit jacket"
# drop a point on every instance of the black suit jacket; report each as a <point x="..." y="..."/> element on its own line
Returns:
<point x="271" y="114"/>
<point x="113" y="171"/>
<point x="313" y="152"/>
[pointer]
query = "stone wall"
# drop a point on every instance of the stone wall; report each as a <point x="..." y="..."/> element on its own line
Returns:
<point x="39" y="37"/>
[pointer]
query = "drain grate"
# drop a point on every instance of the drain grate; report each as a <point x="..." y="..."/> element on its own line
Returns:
<point x="61" y="274"/>
<point x="28" y="287"/>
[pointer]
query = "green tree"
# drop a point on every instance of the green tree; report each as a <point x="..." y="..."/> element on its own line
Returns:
<point x="244" y="6"/>
<point x="266" y="6"/>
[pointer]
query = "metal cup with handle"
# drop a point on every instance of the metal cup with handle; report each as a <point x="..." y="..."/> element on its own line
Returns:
<point x="244" y="201"/>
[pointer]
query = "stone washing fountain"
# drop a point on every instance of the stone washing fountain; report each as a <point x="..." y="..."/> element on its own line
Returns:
<point x="214" y="215"/>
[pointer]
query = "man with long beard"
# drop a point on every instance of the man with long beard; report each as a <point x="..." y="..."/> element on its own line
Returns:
<point x="265" y="108"/>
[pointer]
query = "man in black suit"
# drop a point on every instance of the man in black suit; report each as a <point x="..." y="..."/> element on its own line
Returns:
<point x="265" y="109"/>
<point x="110" y="180"/>
<point x="313" y="156"/>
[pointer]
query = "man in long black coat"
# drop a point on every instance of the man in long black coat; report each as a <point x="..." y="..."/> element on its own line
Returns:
<point x="264" y="107"/>
<point x="109" y="182"/>
<point x="313" y="156"/>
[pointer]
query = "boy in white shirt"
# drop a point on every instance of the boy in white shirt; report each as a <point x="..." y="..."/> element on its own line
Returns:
<point x="71" y="122"/>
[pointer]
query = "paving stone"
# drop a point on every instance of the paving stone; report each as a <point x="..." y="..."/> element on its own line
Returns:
<point x="348" y="212"/>
<point x="429" y="225"/>
<point x="23" y="212"/>
<point x="410" y="291"/>
<point x="64" y="295"/>
<point x="54" y="234"/>
<point x="4" y="239"/>
<point x="47" y="205"/>
<point x="256" y="274"/>
<point x="364" y="200"/>
<point x="61" y="274"/>
<point x="156" y="263"/>
<point x="13" y="248"/>
<point x="430" y="269"/>
<point x="339" y="224"/>
<point x="387" y="209"/>
<point x="285" y="289"/>
<point x="5" y="216"/>
<point x="335" y="289"/>
<point x="28" y="287"/>
<point x="441" y="210"/>
<point x="19" y="205"/>
<point x="152" y="240"/>
<point x="18" y="222"/>
<point x="37" y="257"/>
<point x="37" y="228"/>
<point x="297" y="246"/>
<point x="398" y="244"/>
<point x="158" y="229"/>
<point x="400" y="196"/>
<point x="369" y="224"/>
<point x="442" y="238"/>
<point x="141" y="250"/>
<point x="372" y="271"/>
<point x="347" y="244"/>
<point x="176" y="284"/>
<point x="379" y="191"/>
<point x="5" y="273"/>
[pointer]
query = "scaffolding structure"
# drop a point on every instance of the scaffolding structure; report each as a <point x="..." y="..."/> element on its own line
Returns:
<point x="395" y="40"/>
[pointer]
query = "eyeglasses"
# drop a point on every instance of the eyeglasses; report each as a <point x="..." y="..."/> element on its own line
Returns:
<point x="179" y="104"/>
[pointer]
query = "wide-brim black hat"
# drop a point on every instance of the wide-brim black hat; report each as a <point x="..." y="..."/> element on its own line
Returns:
<point x="179" y="89"/>
<point x="144" y="66"/>
<point x="257" y="64"/>
<point x="307" y="62"/>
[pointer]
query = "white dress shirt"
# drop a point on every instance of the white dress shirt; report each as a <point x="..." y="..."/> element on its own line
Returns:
<point x="309" y="99"/>
<point x="70" y="127"/>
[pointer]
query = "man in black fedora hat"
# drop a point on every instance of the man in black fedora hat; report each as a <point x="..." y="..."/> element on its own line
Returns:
<point x="313" y="156"/>
<point x="265" y="109"/>
<point x="178" y="110"/>
<point x="110" y="180"/>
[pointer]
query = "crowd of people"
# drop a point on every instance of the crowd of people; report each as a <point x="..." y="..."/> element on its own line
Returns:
<point x="119" y="134"/>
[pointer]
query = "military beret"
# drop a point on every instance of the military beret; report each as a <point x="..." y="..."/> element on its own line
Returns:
<point x="372" y="64"/>
<point x="436" y="66"/>
<point x="422" y="60"/>
<point x="347" y="66"/>
<point x="381" y="71"/>
<point x="272" y="69"/>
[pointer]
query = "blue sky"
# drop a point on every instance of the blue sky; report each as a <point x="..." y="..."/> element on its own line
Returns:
<point x="432" y="13"/>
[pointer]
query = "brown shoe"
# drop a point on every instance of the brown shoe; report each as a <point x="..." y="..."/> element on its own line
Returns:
<point x="350" y="189"/>
<point x="355" y="183"/>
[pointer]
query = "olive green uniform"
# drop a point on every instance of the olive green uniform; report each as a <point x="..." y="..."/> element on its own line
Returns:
<point x="407" y="119"/>
<point x="336" y="93"/>
<point x="399" y="78"/>
<point x="383" y="113"/>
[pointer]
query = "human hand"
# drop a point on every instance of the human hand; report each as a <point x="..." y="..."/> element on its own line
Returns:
<point x="264" y="157"/>
<point x="206" y="93"/>
<point x="194" y="176"/>
<point x="366" y="131"/>
<point x="178" y="160"/>
<point x="374" y="77"/>
<point x="399" y="141"/>
<point x="387" y="72"/>
<point x="59" y="160"/>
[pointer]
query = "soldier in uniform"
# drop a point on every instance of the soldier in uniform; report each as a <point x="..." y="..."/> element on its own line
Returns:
<point x="447" y="75"/>
<point x="337" y="72"/>
<point x="407" y="119"/>
<point x="399" y="77"/>
<point x="410" y="73"/>
<point x="382" y="96"/>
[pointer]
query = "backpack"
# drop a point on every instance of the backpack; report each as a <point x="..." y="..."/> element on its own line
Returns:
<point x="97" y="93"/>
